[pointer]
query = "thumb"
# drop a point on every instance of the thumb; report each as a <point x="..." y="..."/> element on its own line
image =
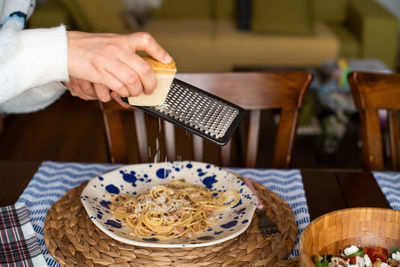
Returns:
<point x="142" y="41"/>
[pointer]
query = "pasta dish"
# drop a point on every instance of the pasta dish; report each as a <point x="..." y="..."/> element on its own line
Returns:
<point x="173" y="210"/>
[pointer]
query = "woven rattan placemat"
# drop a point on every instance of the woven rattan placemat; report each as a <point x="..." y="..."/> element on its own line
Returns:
<point x="74" y="240"/>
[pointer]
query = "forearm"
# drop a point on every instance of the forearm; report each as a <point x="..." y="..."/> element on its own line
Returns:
<point x="33" y="99"/>
<point x="31" y="58"/>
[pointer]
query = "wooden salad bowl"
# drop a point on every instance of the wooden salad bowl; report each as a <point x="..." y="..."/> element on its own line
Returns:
<point x="362" y="227"/>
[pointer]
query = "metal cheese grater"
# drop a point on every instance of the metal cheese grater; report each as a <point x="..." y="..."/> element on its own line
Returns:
<point x="199" y="112"/>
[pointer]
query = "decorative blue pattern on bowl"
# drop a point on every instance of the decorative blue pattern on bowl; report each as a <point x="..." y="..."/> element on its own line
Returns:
<point x="140" y="178"/>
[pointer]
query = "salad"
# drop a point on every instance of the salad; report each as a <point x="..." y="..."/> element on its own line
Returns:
<point x="353" y="256"/>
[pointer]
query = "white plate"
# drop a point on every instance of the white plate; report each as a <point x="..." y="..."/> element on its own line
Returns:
<point x="140" y="178"/>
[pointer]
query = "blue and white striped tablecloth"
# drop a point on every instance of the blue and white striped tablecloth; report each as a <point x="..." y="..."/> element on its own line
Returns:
<point x="389" y="182"/>
<point x="54" y="179"/>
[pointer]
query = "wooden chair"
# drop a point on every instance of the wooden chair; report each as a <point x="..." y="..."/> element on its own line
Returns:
<point x="253" y="91"/>
<point x="371" y="92"/>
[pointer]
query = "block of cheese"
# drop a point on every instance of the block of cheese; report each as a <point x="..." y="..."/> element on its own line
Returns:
<point x="165" y="74"/>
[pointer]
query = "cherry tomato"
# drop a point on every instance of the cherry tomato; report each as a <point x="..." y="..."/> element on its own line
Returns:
<point x="352" y="260"/>
<point x="377" y="253"/>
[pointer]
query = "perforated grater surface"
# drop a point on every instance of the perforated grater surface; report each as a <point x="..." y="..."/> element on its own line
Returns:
<point x="199" y="112"/>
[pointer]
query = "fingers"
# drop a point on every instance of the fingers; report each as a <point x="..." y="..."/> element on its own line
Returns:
<point x="111" y="60"/>
<point x="142" y="41"/>
<point x="102" y="92"/>
<point x="76" y="89"/>
<point x="145" y="78"/>
<point x="88" y="91"/>
<point x="117" y="98"/>
<point x="110" y="81"/>
<point x="86" y="88"/>
<point x="132" y="71"/>
<point x="88" y="56"/>
<point x="128" y="75"/>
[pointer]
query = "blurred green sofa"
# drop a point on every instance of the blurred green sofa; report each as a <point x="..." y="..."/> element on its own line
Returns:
<point x="202" y="34"/>
<point x="84" y="15"/>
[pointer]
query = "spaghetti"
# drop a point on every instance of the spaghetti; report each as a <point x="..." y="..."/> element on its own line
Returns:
<point x="173" y="210"/>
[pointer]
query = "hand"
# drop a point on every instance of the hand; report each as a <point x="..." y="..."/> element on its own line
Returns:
<point x="87" y="90"/>
<point x="118" y="99"/>
<point x="110" y="60"/>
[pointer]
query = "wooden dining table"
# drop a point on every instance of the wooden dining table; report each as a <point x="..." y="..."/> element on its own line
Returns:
<point x="326" y="189"/>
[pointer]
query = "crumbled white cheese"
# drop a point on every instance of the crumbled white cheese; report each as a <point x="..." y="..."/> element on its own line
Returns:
<point x="336" y="261"/>
<point x="396" y="256"/>
<point x="384" y="264"/>
<point x="350" y="250"/>
<point x="367" y="261"/>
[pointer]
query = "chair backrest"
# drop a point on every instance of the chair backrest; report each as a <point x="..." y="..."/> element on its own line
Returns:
<point x="373" y="92"/>
<point x="253" y="91"/>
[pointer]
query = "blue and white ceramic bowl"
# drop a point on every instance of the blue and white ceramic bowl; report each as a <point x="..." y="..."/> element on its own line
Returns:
<point x="140" y="178"/>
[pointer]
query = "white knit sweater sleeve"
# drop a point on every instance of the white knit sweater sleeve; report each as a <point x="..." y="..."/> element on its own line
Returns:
<point x="32" y="62"/>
